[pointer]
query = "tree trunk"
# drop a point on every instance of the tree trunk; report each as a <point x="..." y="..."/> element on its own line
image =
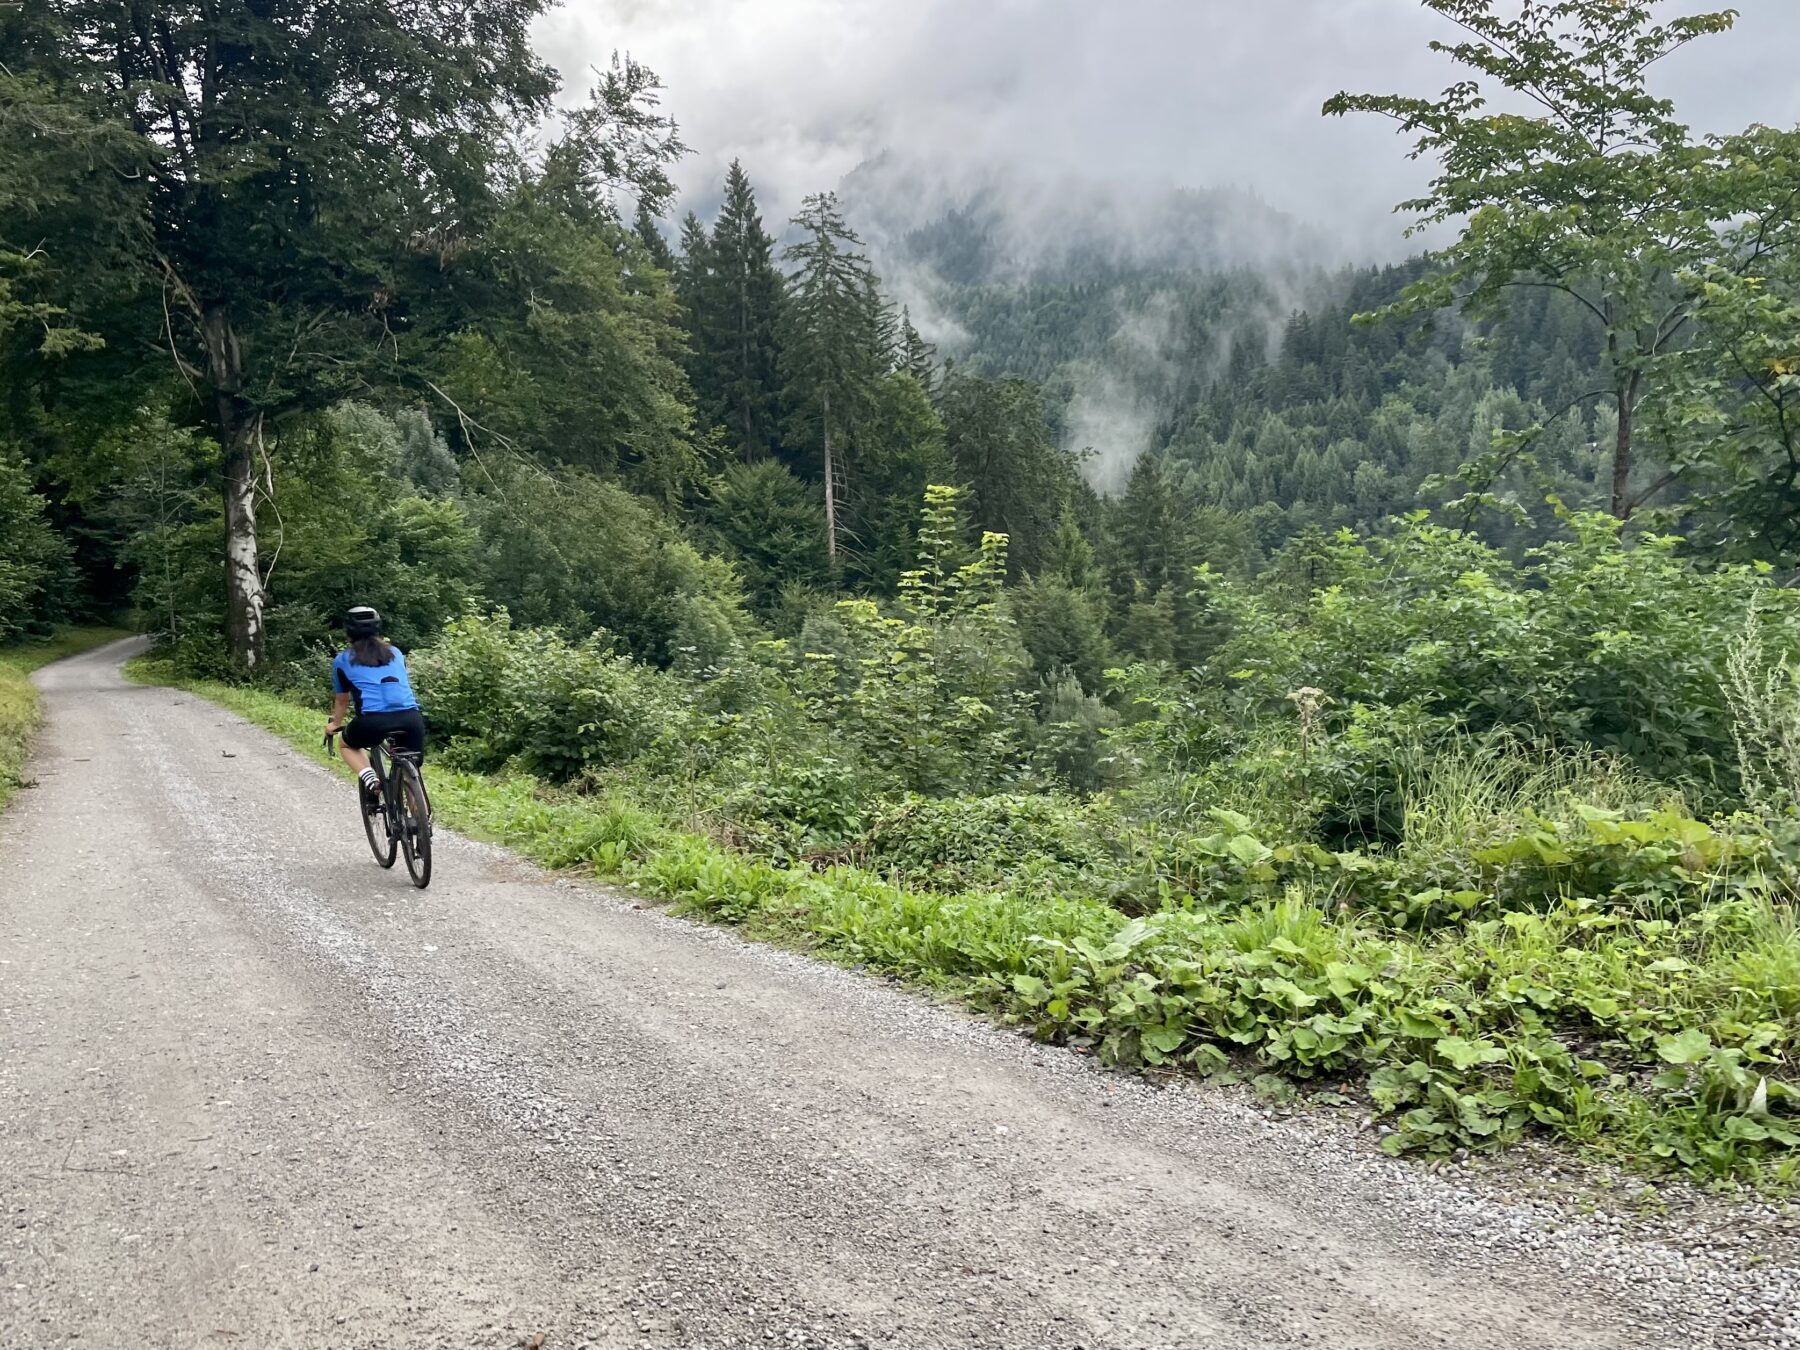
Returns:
<point x="1621" y="470"/>
<point x="830" y="489"/>
<point x="746" y="381"/>
<point x="243" y="575"/>
<point x="240" y="434"/>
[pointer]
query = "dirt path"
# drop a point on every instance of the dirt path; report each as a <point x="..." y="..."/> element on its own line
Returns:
<point x="256" y="1092"/>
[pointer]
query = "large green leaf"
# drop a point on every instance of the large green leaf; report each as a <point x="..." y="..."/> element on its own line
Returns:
<point x="1690" y="1047"/>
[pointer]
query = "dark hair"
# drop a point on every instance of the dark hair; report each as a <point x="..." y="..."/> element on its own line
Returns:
<point x="371" y="651"/>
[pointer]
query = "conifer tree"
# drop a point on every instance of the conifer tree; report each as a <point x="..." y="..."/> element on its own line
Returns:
<point x="650" y="234"/>
<point x="1147" y="526"/>
<point x="917" y="357"/>
<point x="737" y="328"/>
<point x="1152" y="566"/>
<point x="694" y="287"/>
<point x="1070" y="558"/>
<point x="833" y="346"/>
<point x="1019" y="480"/>
<point x="693" y="269"/>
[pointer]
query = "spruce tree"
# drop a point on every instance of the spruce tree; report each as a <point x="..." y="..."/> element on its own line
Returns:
<point x="694" y="287"/>
<point x="737" y="330"/>
<point x="693" y="268"/>
<point x="834" y="345"/>
<point x="1152" y="562"/>
<point x="1069" y="558"/>
<point x="1019" y="480"/>
<point x="917" y="357"/>
<point x="650" y="234"/>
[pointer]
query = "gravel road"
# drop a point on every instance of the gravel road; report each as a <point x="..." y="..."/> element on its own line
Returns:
<point x="256" y="1092"/>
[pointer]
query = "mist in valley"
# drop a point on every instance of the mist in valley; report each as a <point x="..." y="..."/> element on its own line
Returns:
<point x="1056" y="143"/>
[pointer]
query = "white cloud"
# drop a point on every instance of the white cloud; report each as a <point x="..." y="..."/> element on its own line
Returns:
<point x="1197" y="93"/>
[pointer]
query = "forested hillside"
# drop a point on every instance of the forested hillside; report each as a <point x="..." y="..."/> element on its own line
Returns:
<point x="1374" y="675"/>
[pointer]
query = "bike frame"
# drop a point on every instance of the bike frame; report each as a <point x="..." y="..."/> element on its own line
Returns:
<point x="387" y="784"/>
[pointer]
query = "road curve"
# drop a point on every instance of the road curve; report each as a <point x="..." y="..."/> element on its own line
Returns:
<point x="256" y="1092"/>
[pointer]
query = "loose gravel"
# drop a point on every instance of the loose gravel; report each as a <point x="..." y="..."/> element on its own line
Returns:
<point x="254" y="1090"/>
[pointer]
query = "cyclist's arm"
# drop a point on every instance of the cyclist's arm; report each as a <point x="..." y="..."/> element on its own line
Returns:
<point x="339" y="706"/>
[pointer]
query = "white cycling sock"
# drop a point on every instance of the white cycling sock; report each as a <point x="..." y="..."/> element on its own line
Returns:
<point x="369" y="780"/>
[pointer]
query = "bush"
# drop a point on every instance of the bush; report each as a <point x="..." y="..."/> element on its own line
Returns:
<point x="1005" y="840"/>
<point x="556" y="707"/>
<point x="1072" y="743"/>
<point x="33" y="558"/>
<point x="774" y="525"/>
<point x="1590" y="642"/>
<point x="582" y="554"/>
<point x="1062" y="629"/>
<point x="802" y="806"/>
<point x="1764" y="694"/>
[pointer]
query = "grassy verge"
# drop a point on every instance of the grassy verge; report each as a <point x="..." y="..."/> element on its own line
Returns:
<point x="1655" y="1027"/>
<point x="19" y="714"/>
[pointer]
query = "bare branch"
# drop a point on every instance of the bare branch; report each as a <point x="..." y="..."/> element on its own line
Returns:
<point x="1568" y="290"/>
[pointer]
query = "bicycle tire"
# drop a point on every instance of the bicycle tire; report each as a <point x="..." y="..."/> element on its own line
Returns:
<point x="415" y="822"/>
<point x="375" y="825"/>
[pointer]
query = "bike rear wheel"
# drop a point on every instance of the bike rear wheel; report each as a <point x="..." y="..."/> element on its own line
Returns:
<point x="415" y="822"/>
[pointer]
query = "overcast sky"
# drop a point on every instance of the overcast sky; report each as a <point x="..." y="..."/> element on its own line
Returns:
<point x="1184" y="92"/>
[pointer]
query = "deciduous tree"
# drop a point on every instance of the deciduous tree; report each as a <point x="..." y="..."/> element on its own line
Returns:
<point x="1581" y="180"/>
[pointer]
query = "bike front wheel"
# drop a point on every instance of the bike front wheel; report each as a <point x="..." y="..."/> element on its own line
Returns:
<point x="415" y="824"/>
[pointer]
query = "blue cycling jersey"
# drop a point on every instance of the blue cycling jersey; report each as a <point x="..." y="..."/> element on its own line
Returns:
<point x="374" y="689"/>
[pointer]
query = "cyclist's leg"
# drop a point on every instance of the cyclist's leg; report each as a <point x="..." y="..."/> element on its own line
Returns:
<point x="404" y="731"/>
<point x="359" y="738"/>
<point x="356" y="758"/>
<point x="354" y="742"/>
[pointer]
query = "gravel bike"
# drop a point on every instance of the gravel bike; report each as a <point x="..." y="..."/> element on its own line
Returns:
<point x="397" y="815"/>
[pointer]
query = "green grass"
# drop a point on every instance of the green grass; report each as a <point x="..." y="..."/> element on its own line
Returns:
<point x="1658" y="1037"/>
<point x="19" y="713"/>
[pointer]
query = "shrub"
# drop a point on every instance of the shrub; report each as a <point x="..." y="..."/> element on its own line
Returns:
<point x="559" y="708"/>
<point x="1003" y="840"/>
<point x="1764" y="695"/>
<point x="582" y="554"/>
<point x="1590" y="642"/>
<point x="803" y="805"/>
<point x="1072" y="741"/>
<point x="33" y="558"/>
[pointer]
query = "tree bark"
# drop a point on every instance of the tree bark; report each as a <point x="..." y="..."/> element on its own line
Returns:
<point x="240" y="434"/>
<point x="1621" y="470"/>
<point x="745" y="376"/>
<point x="830" y="488"/>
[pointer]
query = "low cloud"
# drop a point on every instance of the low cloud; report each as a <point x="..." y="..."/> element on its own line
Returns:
<point x="1181" y="134"/>
<point x="1137" y="94"/>
<point x="1110" y="423"/>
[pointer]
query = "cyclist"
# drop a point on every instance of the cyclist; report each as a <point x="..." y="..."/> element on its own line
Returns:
<point x="371" y="674"/>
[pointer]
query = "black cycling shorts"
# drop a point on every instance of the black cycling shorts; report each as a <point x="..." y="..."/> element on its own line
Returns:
<point x="405" y="728"/>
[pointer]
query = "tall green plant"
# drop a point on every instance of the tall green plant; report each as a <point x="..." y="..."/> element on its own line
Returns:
<point x="933" y="703"/>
